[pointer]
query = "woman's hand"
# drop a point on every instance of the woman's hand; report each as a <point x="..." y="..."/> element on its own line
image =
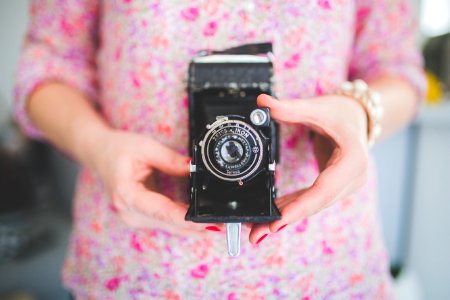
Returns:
<point x="125" y="162"/>
<point x="339" y="124"/>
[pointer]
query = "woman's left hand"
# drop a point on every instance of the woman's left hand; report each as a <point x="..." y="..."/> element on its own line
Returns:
<point x="340" y="143"/>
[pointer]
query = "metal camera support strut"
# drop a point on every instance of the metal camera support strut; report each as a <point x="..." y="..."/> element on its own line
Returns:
<point x="234" y="238"/>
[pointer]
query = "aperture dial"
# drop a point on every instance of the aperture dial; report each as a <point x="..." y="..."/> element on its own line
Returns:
<point x="231" y="149"/>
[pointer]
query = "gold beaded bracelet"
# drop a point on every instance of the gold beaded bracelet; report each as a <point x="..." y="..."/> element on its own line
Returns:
<point x="370" y="101"/>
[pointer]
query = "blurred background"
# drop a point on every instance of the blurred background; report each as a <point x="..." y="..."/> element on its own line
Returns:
<point x="36" y="183"/>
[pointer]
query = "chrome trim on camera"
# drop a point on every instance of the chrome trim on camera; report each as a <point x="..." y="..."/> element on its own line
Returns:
<point x="272" y="166"/>
<point x="210" y="167"/>
<point x="230" y="58"/>
<point x="220" y="118"/>
<point x="258" y="117"/>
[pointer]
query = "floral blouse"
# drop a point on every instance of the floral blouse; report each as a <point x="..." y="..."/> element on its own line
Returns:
<point x="130" y="57"/>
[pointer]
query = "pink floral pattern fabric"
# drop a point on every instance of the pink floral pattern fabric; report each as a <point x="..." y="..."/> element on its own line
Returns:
<point x="130" y="58"/>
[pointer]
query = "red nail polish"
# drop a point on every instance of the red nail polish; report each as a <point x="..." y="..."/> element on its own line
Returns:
<point x="261" y="238"/>
<point x="188" y="161"/>
<point x="212" y="228"/>
<point x="279" y="229"/>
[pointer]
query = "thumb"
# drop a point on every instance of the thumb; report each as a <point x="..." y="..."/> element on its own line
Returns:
<point x="264" y="100"/>
<point x="167" y="160"/>
<point x="290" y="111"/>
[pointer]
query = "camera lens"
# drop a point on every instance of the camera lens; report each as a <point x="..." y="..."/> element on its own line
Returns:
<point x="231" y="151"/>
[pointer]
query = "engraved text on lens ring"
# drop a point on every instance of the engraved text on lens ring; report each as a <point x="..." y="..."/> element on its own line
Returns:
<point x="237" y="128"/>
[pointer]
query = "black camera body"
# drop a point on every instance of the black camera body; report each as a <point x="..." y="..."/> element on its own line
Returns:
<point x="234" y="143"/>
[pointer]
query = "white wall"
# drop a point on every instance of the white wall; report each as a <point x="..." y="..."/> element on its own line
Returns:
<point x="13" y="19"/>
<point x="429" y="255"/>
<point x="393" y="157"/>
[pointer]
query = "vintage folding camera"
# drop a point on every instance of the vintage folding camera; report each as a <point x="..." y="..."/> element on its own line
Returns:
<point x="234" y="143"/>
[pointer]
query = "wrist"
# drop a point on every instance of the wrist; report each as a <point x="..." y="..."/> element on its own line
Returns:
<point x="355" y="113"/>
<point x="370" y="101"/>
<point x="89" y="142"/>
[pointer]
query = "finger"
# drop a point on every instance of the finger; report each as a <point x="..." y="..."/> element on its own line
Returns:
<point x="211" y="227"/>
<point x="340" y="178"/>
<point x="138" y="220"/>
<point x="291" y="111"/>
<point x="135" y="219"/>
<point x="315" y="114"/>
<point x="162" y="209"/>
<point x="167" y="160"/>
<point x="281" y="202"/>
<point x="258" y="233"/>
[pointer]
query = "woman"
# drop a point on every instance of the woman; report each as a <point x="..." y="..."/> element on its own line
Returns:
<point x="128" y="59"/>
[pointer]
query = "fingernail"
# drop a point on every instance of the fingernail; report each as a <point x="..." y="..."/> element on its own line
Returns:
<point x="188" y="161"/>
<point x="279" y="229"/>
<point x="261" y="238"/>
<point x="212" y="228"/>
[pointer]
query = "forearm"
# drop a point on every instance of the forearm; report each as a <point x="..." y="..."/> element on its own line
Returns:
<point x="399" y="100"/>
<point x="67" y="119"/>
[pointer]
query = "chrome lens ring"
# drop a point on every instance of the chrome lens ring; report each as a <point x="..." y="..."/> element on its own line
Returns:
<point x="243" y="136"/>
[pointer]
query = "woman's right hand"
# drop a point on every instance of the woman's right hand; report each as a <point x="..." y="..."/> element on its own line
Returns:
<point x="125" y="163"/>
